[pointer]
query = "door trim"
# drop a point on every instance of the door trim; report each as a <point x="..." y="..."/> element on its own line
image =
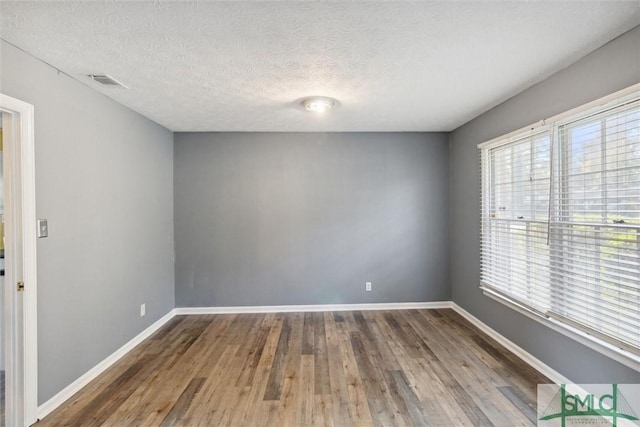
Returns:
<point x="25" y="357"/>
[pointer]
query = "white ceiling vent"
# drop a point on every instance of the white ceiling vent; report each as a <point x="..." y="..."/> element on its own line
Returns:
<point x="106" y="80"/>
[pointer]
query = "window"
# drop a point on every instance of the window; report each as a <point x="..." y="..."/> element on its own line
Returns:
<point x="515" y="253"/>
<point x="561" y="221"/>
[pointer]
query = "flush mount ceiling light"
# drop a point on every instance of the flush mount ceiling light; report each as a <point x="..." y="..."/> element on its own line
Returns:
<point x="318" y="104"/>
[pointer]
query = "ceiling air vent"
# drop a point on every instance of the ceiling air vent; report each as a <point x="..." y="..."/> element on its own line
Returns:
<point x="106" y="80"/>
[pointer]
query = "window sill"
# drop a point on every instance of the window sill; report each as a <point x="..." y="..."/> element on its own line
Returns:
<point x="619" y="355"/>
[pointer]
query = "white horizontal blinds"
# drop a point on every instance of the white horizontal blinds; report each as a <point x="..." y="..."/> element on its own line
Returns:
<point x="515" y="207"/>
<point x="595" y="226"/>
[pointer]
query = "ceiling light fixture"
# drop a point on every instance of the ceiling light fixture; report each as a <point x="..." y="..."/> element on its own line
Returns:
<point x="318" y="104"/>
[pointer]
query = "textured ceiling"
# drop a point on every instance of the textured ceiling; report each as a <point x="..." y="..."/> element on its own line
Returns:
<point x="241" y="66"/>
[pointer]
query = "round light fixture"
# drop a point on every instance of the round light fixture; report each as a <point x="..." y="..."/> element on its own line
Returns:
<point x="318" y="104"/>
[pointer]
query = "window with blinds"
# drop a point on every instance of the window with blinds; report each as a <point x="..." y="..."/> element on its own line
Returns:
<point x="561" y="222"/>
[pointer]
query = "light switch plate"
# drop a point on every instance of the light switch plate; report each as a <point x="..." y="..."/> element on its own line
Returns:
<point x="43" y="228"/>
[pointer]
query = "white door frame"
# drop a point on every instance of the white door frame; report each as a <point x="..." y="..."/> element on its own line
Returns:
<point x="20" y="237"/>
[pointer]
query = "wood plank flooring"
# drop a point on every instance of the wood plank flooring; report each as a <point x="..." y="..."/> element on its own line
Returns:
<point x="360" y="368"/>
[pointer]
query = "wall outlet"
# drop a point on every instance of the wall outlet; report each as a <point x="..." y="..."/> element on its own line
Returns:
<point x="367" y="286"/>
<point x="143" y="310"/>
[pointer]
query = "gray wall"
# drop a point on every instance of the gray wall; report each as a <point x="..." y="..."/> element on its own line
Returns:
<point x="308" y="218"/>
<point x="613" y="67"/>
<point x="104" y="181"/>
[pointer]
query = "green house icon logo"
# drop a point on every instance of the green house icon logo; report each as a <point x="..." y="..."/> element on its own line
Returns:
<point x="612" y="407"/>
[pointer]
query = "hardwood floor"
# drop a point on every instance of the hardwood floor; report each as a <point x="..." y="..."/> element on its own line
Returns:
<point x="369" y="368"/>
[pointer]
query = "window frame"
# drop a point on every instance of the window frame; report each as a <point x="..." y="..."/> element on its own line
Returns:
<point x="590" y="339"/>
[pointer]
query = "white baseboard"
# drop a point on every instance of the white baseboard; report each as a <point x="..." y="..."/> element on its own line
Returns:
<point x="531" y="360"/>
<point x="92" y="373"/>
<point x="310" y="308"/>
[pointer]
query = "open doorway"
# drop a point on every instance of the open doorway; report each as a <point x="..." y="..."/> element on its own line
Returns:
<point x="18" y="320"/>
